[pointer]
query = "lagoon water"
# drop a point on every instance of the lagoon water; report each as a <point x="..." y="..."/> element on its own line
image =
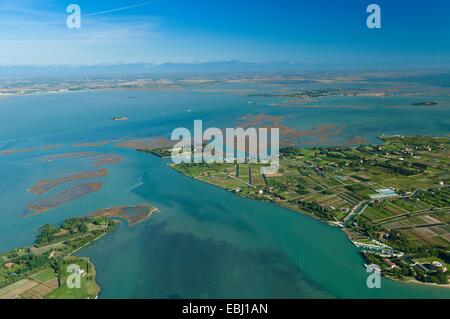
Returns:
<point x="204" y="242"/>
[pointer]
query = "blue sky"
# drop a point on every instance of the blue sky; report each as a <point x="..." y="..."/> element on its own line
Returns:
<point x="330" y="32"/>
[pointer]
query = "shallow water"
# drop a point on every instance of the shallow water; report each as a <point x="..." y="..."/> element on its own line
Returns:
<point x="204" y="242"/>
<point x="207" y="242"/>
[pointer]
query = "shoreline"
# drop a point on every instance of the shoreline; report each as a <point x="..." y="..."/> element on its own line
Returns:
<point x="90" y="261"/>
<point x="345" y="230"/>
<point x="411" y="281"/>
<point x="87" y="244"/>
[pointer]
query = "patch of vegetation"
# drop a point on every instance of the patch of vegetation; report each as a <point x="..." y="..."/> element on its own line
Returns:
<point x="49" y="254"/>
<point x="88" y="288"/>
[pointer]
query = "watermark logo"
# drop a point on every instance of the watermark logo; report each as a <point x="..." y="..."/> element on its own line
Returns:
<point x="74" y="279"/>
<point x="74" y="19"/>
<point x="374" y="19"/>
<point x="239" y="145"/>
<point x="374" y="279"/>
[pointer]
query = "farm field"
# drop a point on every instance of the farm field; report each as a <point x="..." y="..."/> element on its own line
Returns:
<point x="396" y="193"/>
<point x="43" y="270"/>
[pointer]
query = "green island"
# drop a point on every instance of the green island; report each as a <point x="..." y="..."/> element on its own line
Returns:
<point x="43" y="270"/>
<point x="391" y="199"/>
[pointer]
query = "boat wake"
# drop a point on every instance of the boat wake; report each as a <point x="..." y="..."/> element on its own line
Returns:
<point x="136" y="186"/>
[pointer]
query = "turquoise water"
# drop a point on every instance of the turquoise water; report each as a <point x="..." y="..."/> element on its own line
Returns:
<point x="204" y="242"/>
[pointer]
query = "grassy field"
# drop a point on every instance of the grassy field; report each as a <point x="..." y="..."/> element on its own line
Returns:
<point x="44" y="275"/>
<point x="88" y="287"/>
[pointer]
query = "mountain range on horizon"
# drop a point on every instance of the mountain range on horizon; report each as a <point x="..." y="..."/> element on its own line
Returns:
<point x="152" y="68"/>
<point x="236" y="66"/>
